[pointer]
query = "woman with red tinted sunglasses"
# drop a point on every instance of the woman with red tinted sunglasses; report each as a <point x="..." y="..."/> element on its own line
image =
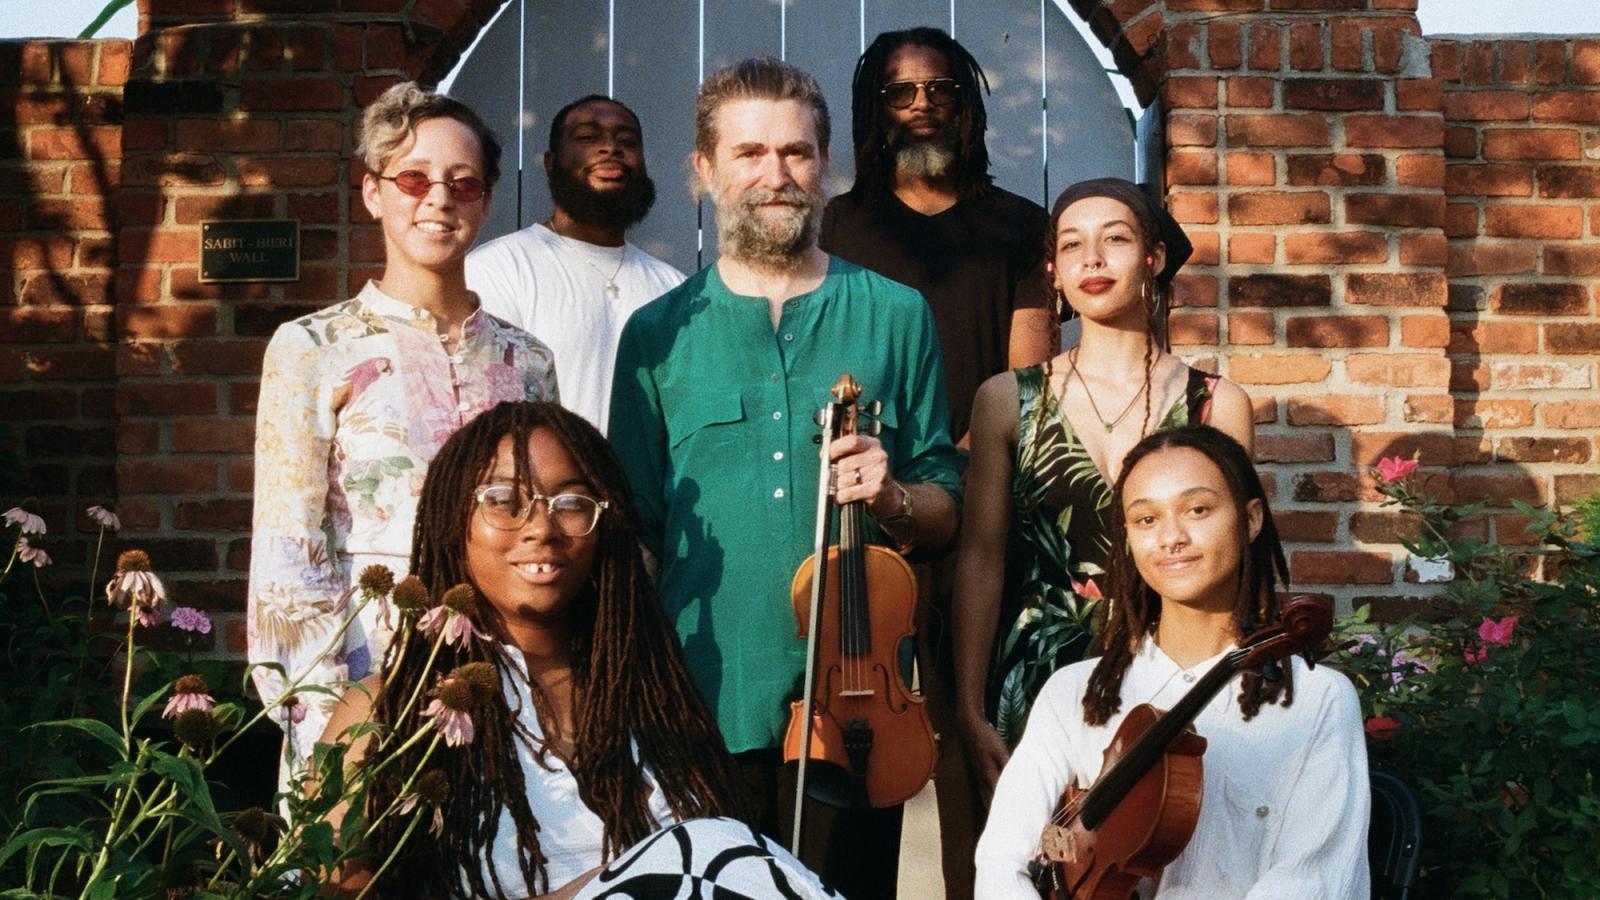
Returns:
<point x="357" y="398"/>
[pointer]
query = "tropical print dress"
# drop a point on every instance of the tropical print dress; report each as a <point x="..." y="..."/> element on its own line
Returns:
<point x="1060" y="519"/>
<point x="355" y="401"/>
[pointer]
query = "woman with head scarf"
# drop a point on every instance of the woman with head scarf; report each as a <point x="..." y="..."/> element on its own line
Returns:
<point x="1048" y="443"/>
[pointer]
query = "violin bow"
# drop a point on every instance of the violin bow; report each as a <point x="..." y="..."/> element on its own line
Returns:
<point x="819" y="580"/>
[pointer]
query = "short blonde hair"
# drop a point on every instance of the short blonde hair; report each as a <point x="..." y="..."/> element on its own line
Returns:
<point x="396" y="113"/>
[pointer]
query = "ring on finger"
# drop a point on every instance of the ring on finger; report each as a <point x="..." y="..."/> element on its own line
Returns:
<point x="858" y="476"/>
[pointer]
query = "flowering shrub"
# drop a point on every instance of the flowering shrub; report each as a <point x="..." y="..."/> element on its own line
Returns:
<point x="101" y="803"/>
<point x="1485" y="701"/>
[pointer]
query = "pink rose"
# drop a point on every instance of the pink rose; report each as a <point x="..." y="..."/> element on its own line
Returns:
<point x="1381" y="728"/>
<point x="1394" y="468"/>
<point x="1497" y="633"/>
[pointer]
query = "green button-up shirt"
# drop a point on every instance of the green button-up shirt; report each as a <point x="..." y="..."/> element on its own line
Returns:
<point x="711" y="414"/>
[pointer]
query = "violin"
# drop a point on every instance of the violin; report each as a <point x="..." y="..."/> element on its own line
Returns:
<point x="865" y="726"/>
<point x="1142" y="810"/>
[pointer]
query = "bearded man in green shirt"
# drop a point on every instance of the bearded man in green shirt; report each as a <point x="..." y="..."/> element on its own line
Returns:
<point x="711" y="414"/>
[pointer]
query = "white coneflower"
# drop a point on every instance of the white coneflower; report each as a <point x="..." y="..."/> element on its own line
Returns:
<point x="136" y="588"/>
<point x="31" y="554"/>
<point x="24" y="518"/>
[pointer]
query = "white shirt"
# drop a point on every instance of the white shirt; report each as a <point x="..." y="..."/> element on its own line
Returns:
<point x="555" y="288"/>
<point x="571" y="835"/>
<point x="1286" y="800"/>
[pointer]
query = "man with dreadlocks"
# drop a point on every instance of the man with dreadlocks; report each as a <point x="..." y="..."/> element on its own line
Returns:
<point x="1195" y="566"/>
<point x="925" y="212"/>
<point x="711" y="412"/>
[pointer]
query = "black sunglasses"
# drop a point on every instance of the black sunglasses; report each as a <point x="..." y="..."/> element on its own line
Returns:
<point x="463" y="188"/>
<point x="901" y="94"/>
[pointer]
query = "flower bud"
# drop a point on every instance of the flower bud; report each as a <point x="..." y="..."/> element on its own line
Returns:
<point x="195" y="727"/>
<point x="409" y="596"/>
<point x="133" y="561"/>
<point x="460" y="598"/>
<point x="480" y="677"/>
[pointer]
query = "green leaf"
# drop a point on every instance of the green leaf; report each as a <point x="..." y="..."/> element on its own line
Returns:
<point x="47" y="837"/>
<point x="1574" y="713"/>
<point x="93" y="727"/>
<point x="190" y="779"/>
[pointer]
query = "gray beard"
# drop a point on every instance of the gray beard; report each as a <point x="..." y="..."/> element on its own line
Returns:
<point x="925" y="159"/>
<point x="775" y="240"/>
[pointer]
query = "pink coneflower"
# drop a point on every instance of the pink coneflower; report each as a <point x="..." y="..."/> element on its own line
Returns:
<point x="189" y="693"/>
<point x="1473" y="655"/>
<point x="31" y="554"/>
<point x="455" y="725"/>
<point x="457" y="627"/>
<point x="432" y="789"/>
<point x="187" y="618"/>
<point x="136" y="588"/>
<point x="27" y="521"/>
<point x="105" y="518"/>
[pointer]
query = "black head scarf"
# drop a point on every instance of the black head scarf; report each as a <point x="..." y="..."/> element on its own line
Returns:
<point x="1158" y="226"/>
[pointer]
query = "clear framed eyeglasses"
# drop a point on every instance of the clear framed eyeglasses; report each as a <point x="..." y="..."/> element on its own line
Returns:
<point x="503" y="507"/>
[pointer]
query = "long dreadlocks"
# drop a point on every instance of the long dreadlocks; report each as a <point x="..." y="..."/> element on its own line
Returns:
<point x="875" y="159"/>
<point x="1135" y="608"/>
<point x="631" y="688"/>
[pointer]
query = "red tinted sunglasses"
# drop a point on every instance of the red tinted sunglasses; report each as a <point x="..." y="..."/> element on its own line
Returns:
<point x="463" y="189"/>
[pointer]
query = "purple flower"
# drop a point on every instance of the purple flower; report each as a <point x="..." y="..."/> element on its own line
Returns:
<point x="187" y="618"/>
<point x="27" y="521"/>
<point x="31" y="554"/>
<point x="105" y="518"/>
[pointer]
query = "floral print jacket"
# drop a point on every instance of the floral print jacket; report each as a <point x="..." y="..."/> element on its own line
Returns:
<point x="355" y="401"/>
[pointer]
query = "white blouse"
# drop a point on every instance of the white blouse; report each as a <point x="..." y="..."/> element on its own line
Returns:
<point x="571" y="835"/>
<point x="1286" y="799"/>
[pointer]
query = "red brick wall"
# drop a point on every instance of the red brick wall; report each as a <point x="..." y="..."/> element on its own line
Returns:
<point x="1522" y="185"/>
<point x="60" y="152"/>
<point x="1398" y="247"/>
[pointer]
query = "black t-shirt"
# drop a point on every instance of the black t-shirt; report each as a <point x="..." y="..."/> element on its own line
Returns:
<point x="975" y="263"/>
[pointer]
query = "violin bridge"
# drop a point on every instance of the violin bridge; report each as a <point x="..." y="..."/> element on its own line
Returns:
<point x="861" y="693"/>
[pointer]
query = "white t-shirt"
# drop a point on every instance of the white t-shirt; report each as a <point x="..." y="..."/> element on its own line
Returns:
<point x="1286" y="799"/>
<point x="555" y="288"/>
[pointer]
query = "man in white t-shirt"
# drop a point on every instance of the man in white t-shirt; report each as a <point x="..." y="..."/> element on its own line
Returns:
<point x="573" y="280"/>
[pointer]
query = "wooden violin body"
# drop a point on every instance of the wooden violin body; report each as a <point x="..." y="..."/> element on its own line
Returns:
<point x="866" y="720"/>
<point x="1144" y="833"/>
<point x="1140" y="813"/>
<point x="855" y="603"/>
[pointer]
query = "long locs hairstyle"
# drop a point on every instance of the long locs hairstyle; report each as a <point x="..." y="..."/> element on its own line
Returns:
<point x="1134" y="607"/>
<point x="869" y="130"/>
<point x="630" y="686"/>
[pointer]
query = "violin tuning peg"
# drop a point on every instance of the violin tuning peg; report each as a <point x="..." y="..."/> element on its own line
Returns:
<point x="820" y="417"/>
<point x="1271" y="672"/>
<point x="875" y="408"/>
<point x="873" y="427"/>
<point x="816" y="439"/>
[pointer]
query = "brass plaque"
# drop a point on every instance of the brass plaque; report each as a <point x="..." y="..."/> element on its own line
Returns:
<point x="250" y="250"/>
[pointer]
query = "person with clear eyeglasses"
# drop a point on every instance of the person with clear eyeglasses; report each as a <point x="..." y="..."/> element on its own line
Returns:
<point x="356" y="399"/>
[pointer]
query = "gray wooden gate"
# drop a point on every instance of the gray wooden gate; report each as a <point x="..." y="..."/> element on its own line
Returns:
<point x="1054" y="116"/>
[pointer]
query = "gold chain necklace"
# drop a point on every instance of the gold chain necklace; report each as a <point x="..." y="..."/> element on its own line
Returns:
<point x="1112" y="424"/>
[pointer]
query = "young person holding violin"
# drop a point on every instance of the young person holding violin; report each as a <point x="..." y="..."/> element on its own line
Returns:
<point x="1046" y="441"/>
<point x="1194" y="569"/>
<point x="597" y="750"/>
